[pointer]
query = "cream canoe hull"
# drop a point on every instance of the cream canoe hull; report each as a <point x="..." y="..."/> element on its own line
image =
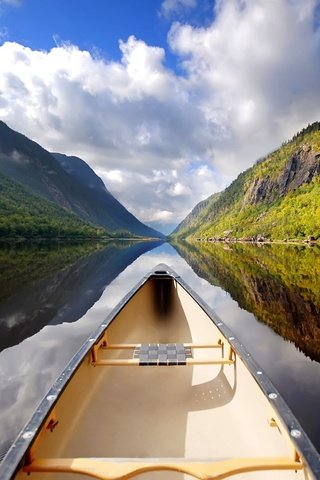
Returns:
<point x="208" y="412"/>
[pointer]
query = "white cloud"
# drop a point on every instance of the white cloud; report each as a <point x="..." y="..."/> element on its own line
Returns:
<point x="163" y="215"/>
<point x="152" y="193"/>
<point x="162" y="141"/>
<point x="111" y="176"/>
<point x="255" y="71"/>
<point x="178" y="189"/>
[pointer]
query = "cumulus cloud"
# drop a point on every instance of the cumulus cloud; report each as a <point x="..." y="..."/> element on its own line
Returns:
<point x="134" y="111"/>
<point x="162" y="197"/>
<point x="255" y="70"/>
<point x="163" y="141"/>
<point x="178" y="189"/>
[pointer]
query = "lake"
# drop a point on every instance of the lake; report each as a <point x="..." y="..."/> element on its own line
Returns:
<point x="53" y="296"/>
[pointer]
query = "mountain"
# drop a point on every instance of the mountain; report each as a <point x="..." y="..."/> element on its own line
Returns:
<point x="277" y="198"/>
<point x="28" y="215"/>
<point x="100" y="205"/>
<point x="198" y="215"/>
<point x="66" y="181"/>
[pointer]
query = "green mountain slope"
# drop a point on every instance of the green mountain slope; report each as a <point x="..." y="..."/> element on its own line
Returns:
<point x="67" y="181"/>
<point x="25" y="214"/>
<point x="196" y="217"/>
<point x="278" y="198"/>
<point x="101" y="207"/>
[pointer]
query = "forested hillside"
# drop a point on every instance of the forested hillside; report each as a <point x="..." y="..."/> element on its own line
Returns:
<point x="67" y="182"/>
<point x="278" y="198"/>
<point x="24" y="214"/>
<point x="98" y="204"/>
<point x="197" y="216"/>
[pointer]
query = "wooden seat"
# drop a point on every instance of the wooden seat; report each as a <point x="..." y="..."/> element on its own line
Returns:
<point x="104" y="469"/>
<point x="170" y="354"/>
<point x="135" y="362"/>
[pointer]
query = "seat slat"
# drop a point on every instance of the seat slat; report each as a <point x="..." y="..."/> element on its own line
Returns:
<point x="162" y="354"/>
<point x="132" y="346"/>
<point x="135" y="362"/>
<point x="106" y="470"/>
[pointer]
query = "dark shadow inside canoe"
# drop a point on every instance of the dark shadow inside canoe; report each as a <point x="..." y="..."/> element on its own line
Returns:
<point x="163" y="294"/>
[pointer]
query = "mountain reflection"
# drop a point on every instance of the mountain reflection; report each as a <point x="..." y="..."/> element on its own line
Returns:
<point x="52" y="284"/>
<point x="279" y="284"/>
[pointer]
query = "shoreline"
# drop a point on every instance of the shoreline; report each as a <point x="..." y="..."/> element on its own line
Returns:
<point x="17" y="240"/>
<point x="256" y="242"/>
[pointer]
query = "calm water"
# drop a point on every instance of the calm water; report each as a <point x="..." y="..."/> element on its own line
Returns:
<point x="52" y="297"/>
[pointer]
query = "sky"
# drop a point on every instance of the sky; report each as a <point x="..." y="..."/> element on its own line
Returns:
<point x="167" y="100"/>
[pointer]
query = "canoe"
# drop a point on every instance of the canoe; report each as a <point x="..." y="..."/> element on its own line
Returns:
<point x="162" y="389"/>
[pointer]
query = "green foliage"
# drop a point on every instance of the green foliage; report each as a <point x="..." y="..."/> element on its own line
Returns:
<point x="69" y="183"/>
<point x="296" y="216"/>
<point x="127" y="234"/>
<point x="279" y="284"/>
<point x="237" y="214"/>
<point x="195" y="217"/>
<point x="25" y="214"/>
<point x="26" y="262"/>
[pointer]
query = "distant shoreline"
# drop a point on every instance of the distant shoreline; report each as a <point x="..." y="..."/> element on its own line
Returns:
<point x="17" y="240"/>
<point x="258" y="242"/>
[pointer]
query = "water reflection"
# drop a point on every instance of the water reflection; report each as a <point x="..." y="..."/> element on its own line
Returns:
<point x="28" y="369"/>
<point x="66" y="282"/>
<point x="271" y="301"/>
<point x="279" y="284"/>
<point x="97" y="281"/>
<point x="53" y="284"/>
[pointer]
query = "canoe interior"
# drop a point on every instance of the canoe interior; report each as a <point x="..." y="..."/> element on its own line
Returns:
<point x="199" y="412"/>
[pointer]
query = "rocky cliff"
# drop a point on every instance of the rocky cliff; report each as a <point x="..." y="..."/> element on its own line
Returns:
<point x="278" y="198"/>
<point x="299" y="169"/>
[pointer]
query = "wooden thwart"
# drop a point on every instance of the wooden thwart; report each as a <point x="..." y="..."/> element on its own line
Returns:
<point x="132" y="346"/>
<point x="105" y="470"/>
<point x="134" y="362"/>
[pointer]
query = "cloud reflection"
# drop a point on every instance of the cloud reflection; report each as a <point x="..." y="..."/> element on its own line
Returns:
<point x="28" y="370"/>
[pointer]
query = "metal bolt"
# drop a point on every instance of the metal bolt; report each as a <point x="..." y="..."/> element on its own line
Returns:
<point x="272" y="396"/>
<point x="295" y="433"/>
<point x="51" y="397"/>
<point x="28" y="435"/>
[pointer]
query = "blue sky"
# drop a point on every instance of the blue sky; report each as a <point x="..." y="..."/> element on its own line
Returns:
<point x="168" y="100"/>
<point x="98" y="24"/>
<point x="89" y="25"/>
